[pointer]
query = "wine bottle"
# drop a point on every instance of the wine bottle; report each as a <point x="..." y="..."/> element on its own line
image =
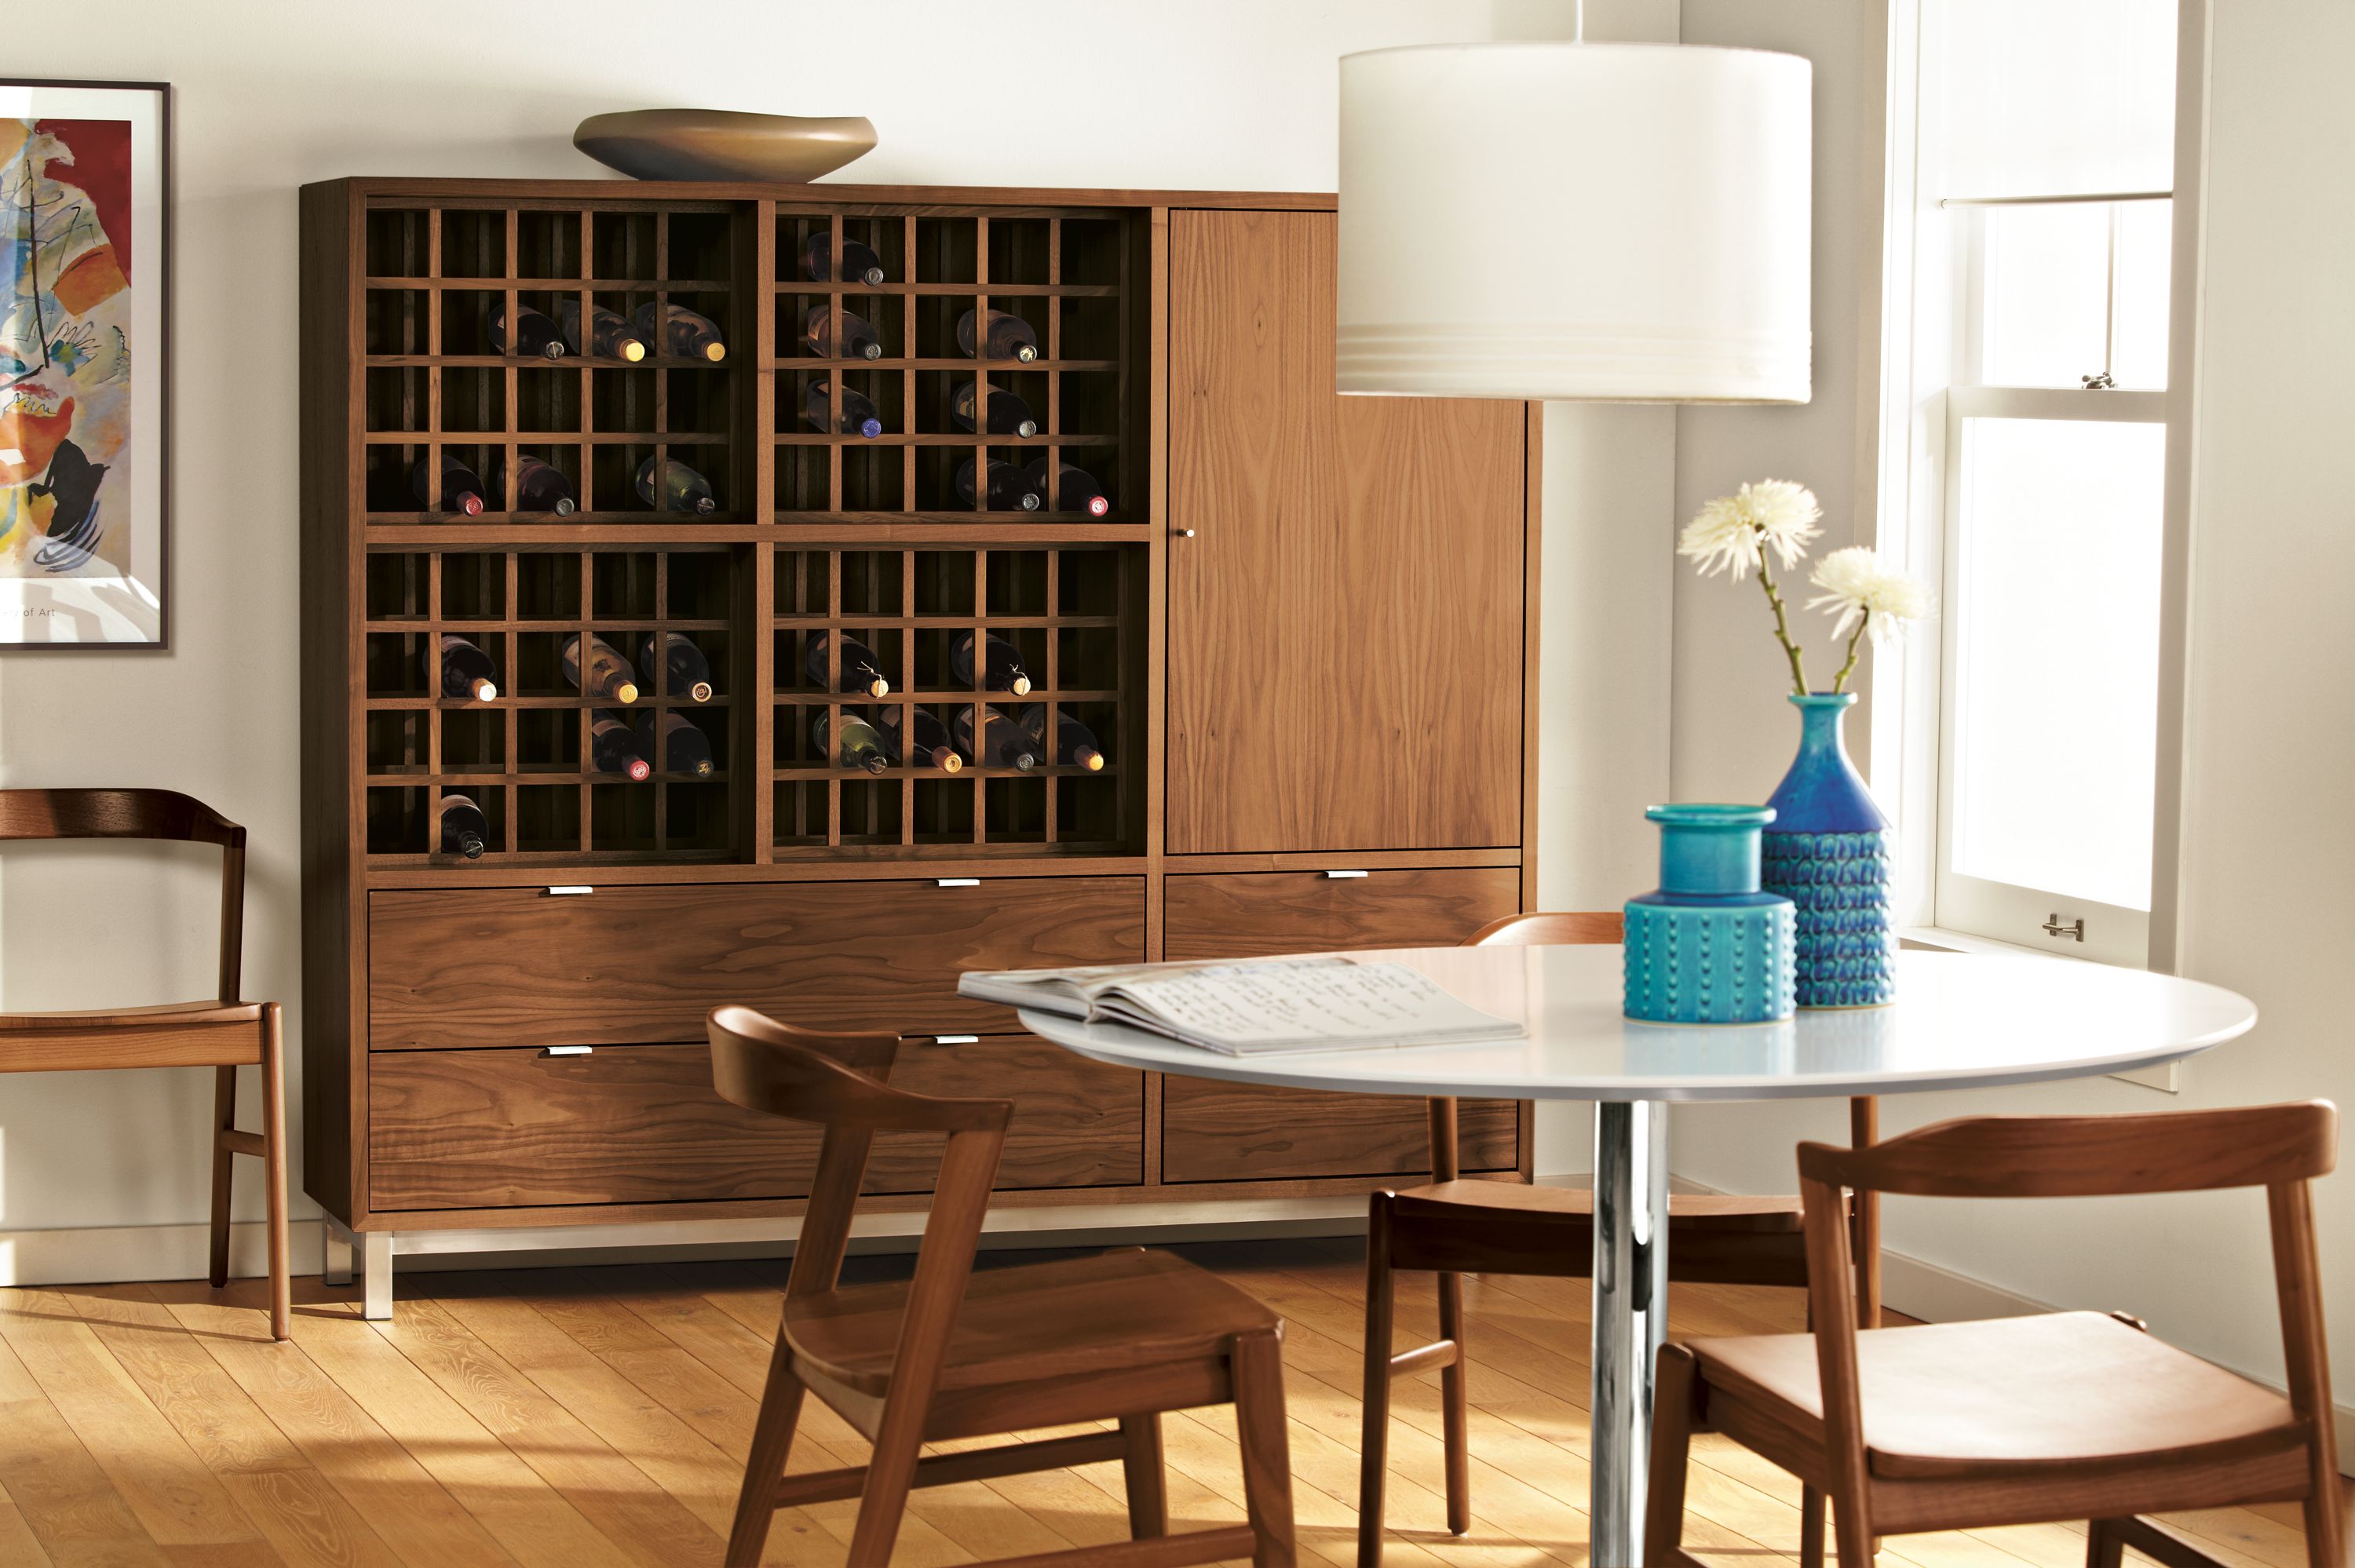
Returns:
<point x="613" y="749"/>
<point x="609" y="678"/>
<point x="1008" y="414"/>
<point x="858" y="260"/>
<point x="459" y="491"/>
<point x="535" y="335"/>
<point x="672" y="737"/>
<point x="1002" y="743"/>
<point x="858" y="744"/>
<point x="924" y="744"/>
<point x="859" y="339"/>
<point x="1001" y="664"/>
<point x="1007" y="337"/>
<point x="861" y="669"/>
<point x="467" y="672"/>
<point x="858" y="416"/>
<point x="465" y="830"/>
<point x="610" y="337"/>
<point x="1008" y="490"/>
<point x="1070" y="490"/>
<point x="682" y="333"/>
<point x="683" y="489"/>
<point x="542" y="487"/>
<point x="1075" y="743"/>
<point x="680" y="668"/>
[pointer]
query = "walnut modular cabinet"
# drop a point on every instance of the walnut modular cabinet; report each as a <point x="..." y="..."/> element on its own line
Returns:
<point x="1298" y="631"/>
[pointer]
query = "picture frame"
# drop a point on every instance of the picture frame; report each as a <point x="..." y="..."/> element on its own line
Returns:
<point x="85" y="364"/>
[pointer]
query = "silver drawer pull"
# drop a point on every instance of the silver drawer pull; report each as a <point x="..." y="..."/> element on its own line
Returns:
<point x="958" y="881"/>
<point x="567" y="1050"/>
<point x="956" y="1038"/>
<point x="1342" y="875"/>
<point x="573" y="891"/>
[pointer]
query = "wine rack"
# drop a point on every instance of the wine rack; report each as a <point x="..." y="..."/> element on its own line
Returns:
<point x="1068" y="274"/>
<point x="1071" y="611"/>
<point x="436" y="383"/>
<point x="524" y="756"/>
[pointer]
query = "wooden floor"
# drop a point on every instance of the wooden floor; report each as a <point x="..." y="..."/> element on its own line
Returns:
<point x="595" y="1418"/>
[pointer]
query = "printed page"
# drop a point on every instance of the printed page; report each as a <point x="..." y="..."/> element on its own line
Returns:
<point x="1328" y="999"/>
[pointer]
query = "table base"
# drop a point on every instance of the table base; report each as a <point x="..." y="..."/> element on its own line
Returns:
<point x="1631" y="1313"/>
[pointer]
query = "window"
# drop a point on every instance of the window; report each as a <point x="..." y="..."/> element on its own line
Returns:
<point x="2029" y="383"/>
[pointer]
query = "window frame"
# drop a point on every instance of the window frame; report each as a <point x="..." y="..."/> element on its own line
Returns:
<point x="1919" y="350"/>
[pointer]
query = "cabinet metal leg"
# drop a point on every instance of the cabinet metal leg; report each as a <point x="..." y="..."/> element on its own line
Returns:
<point x="336" y="1267"/>
<point x="1631" y="1311"/>
<point x="376" y="1274"/>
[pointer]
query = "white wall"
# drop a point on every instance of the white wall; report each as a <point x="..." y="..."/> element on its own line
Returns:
<point x="2268" y="850"/>
<point x="273" y="93"/>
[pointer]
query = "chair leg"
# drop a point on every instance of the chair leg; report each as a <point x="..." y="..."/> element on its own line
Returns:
<point x="2325" y="1526"/>
<point x="1266" y="1447"/>
<point x="1672" y="1425"/>
<point x="1140" y="1468"/>
<point x="764" y="1467"/>
<point x="1811" y="1529"/>
<point x="1373" y="1452"/>
<point x="890" y="1477"/>
<point x="1452" y="1417"/>
<point x="1858" y="1544"/>
<point x="224" y="1163"/>
<point x="2105" y="1548"/>
<point x="273" y="1171"/>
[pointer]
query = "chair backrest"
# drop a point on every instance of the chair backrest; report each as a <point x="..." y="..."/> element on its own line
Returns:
<point x="1544" y="930"/>
<point x="2280" y="1147"/>
<point x="838" y="1081"/>
<point x="1560" y="928"/>
<point x="163" y="814"/>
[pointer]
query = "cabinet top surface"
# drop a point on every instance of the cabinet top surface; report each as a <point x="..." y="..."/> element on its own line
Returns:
<point x="1960" y="1020"/>
<point x="430" y="188"/>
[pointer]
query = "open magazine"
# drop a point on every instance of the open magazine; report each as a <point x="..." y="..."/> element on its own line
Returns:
<point x="1254" y="1008"/>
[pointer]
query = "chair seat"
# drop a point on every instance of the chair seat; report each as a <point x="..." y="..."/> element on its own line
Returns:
<point x="2014" y="1396"/>
<point x="1115" y="1311"/>
<point x="1687" y="1211"/>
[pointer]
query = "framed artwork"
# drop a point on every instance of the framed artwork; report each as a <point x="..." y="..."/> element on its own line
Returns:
<point x="85" y="448"/>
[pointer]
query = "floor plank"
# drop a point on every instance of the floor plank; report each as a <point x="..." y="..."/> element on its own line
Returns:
<point x="598" y="1418"/>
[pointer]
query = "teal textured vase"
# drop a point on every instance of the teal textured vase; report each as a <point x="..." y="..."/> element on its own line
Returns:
<point x="1828" y="851"/>
<point x="1709" y="946"/>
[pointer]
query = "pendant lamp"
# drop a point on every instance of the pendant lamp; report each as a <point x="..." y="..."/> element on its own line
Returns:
<point x="1616" y="222"/>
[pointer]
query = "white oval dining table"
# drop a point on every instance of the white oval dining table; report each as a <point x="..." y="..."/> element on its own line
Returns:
<point x="1960" y="1020"/>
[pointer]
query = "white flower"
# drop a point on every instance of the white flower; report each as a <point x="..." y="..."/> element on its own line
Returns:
<point x="1732" y="532"/>
<point x="1857" y="587"/>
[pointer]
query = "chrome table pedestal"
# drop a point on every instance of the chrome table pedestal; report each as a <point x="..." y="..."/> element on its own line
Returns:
<point x="1631" y="1315"/>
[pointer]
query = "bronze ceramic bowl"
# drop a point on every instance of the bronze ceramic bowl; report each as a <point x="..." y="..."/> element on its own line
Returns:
<point x="723" y="144"/>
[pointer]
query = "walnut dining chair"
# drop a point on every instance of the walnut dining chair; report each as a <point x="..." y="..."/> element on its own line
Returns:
<point x="1122" y="1336"/>
<point x="1453" y="1227"/>
<point x="224" y="1034"/>
<point x="2025" y="1420"/>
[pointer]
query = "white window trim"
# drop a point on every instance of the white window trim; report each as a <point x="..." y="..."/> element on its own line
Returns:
<point x="1905" y="417"/>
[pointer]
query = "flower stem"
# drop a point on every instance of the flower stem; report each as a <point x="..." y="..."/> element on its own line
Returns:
<point x="1839" y="682"/>
<point x="1783" y="628"/>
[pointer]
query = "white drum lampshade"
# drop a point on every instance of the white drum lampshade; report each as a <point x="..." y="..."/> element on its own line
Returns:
<point x="1622" y="222"/>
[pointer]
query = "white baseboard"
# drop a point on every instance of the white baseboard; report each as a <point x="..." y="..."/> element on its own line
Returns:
<point x="113" y="1255"/>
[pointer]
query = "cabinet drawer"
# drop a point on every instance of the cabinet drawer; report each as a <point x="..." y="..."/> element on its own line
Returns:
<point x="642" y="1124"/>
<point x="504" y="966"/>
<point x="1239" y="914"/>
<point x="1249" y="1132"/>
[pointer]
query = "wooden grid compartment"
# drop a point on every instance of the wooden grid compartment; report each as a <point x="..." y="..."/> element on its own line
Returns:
<point x="434" y="381"/>
<point x="1074" y="614"/>
<point x="1071" y="274"/>
<point x="525" y="756"/>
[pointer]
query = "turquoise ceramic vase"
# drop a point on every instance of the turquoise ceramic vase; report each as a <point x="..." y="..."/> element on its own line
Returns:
<point x="1828" y="851"/>
<point x="1709" y="946"/>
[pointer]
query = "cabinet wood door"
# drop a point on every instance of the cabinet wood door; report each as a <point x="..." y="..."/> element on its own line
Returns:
<point x="1345" y="626"/>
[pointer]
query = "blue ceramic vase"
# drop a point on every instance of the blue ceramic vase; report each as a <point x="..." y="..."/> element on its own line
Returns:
<point x="1709" y="946"/>
<point x="1828" y="851"/>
